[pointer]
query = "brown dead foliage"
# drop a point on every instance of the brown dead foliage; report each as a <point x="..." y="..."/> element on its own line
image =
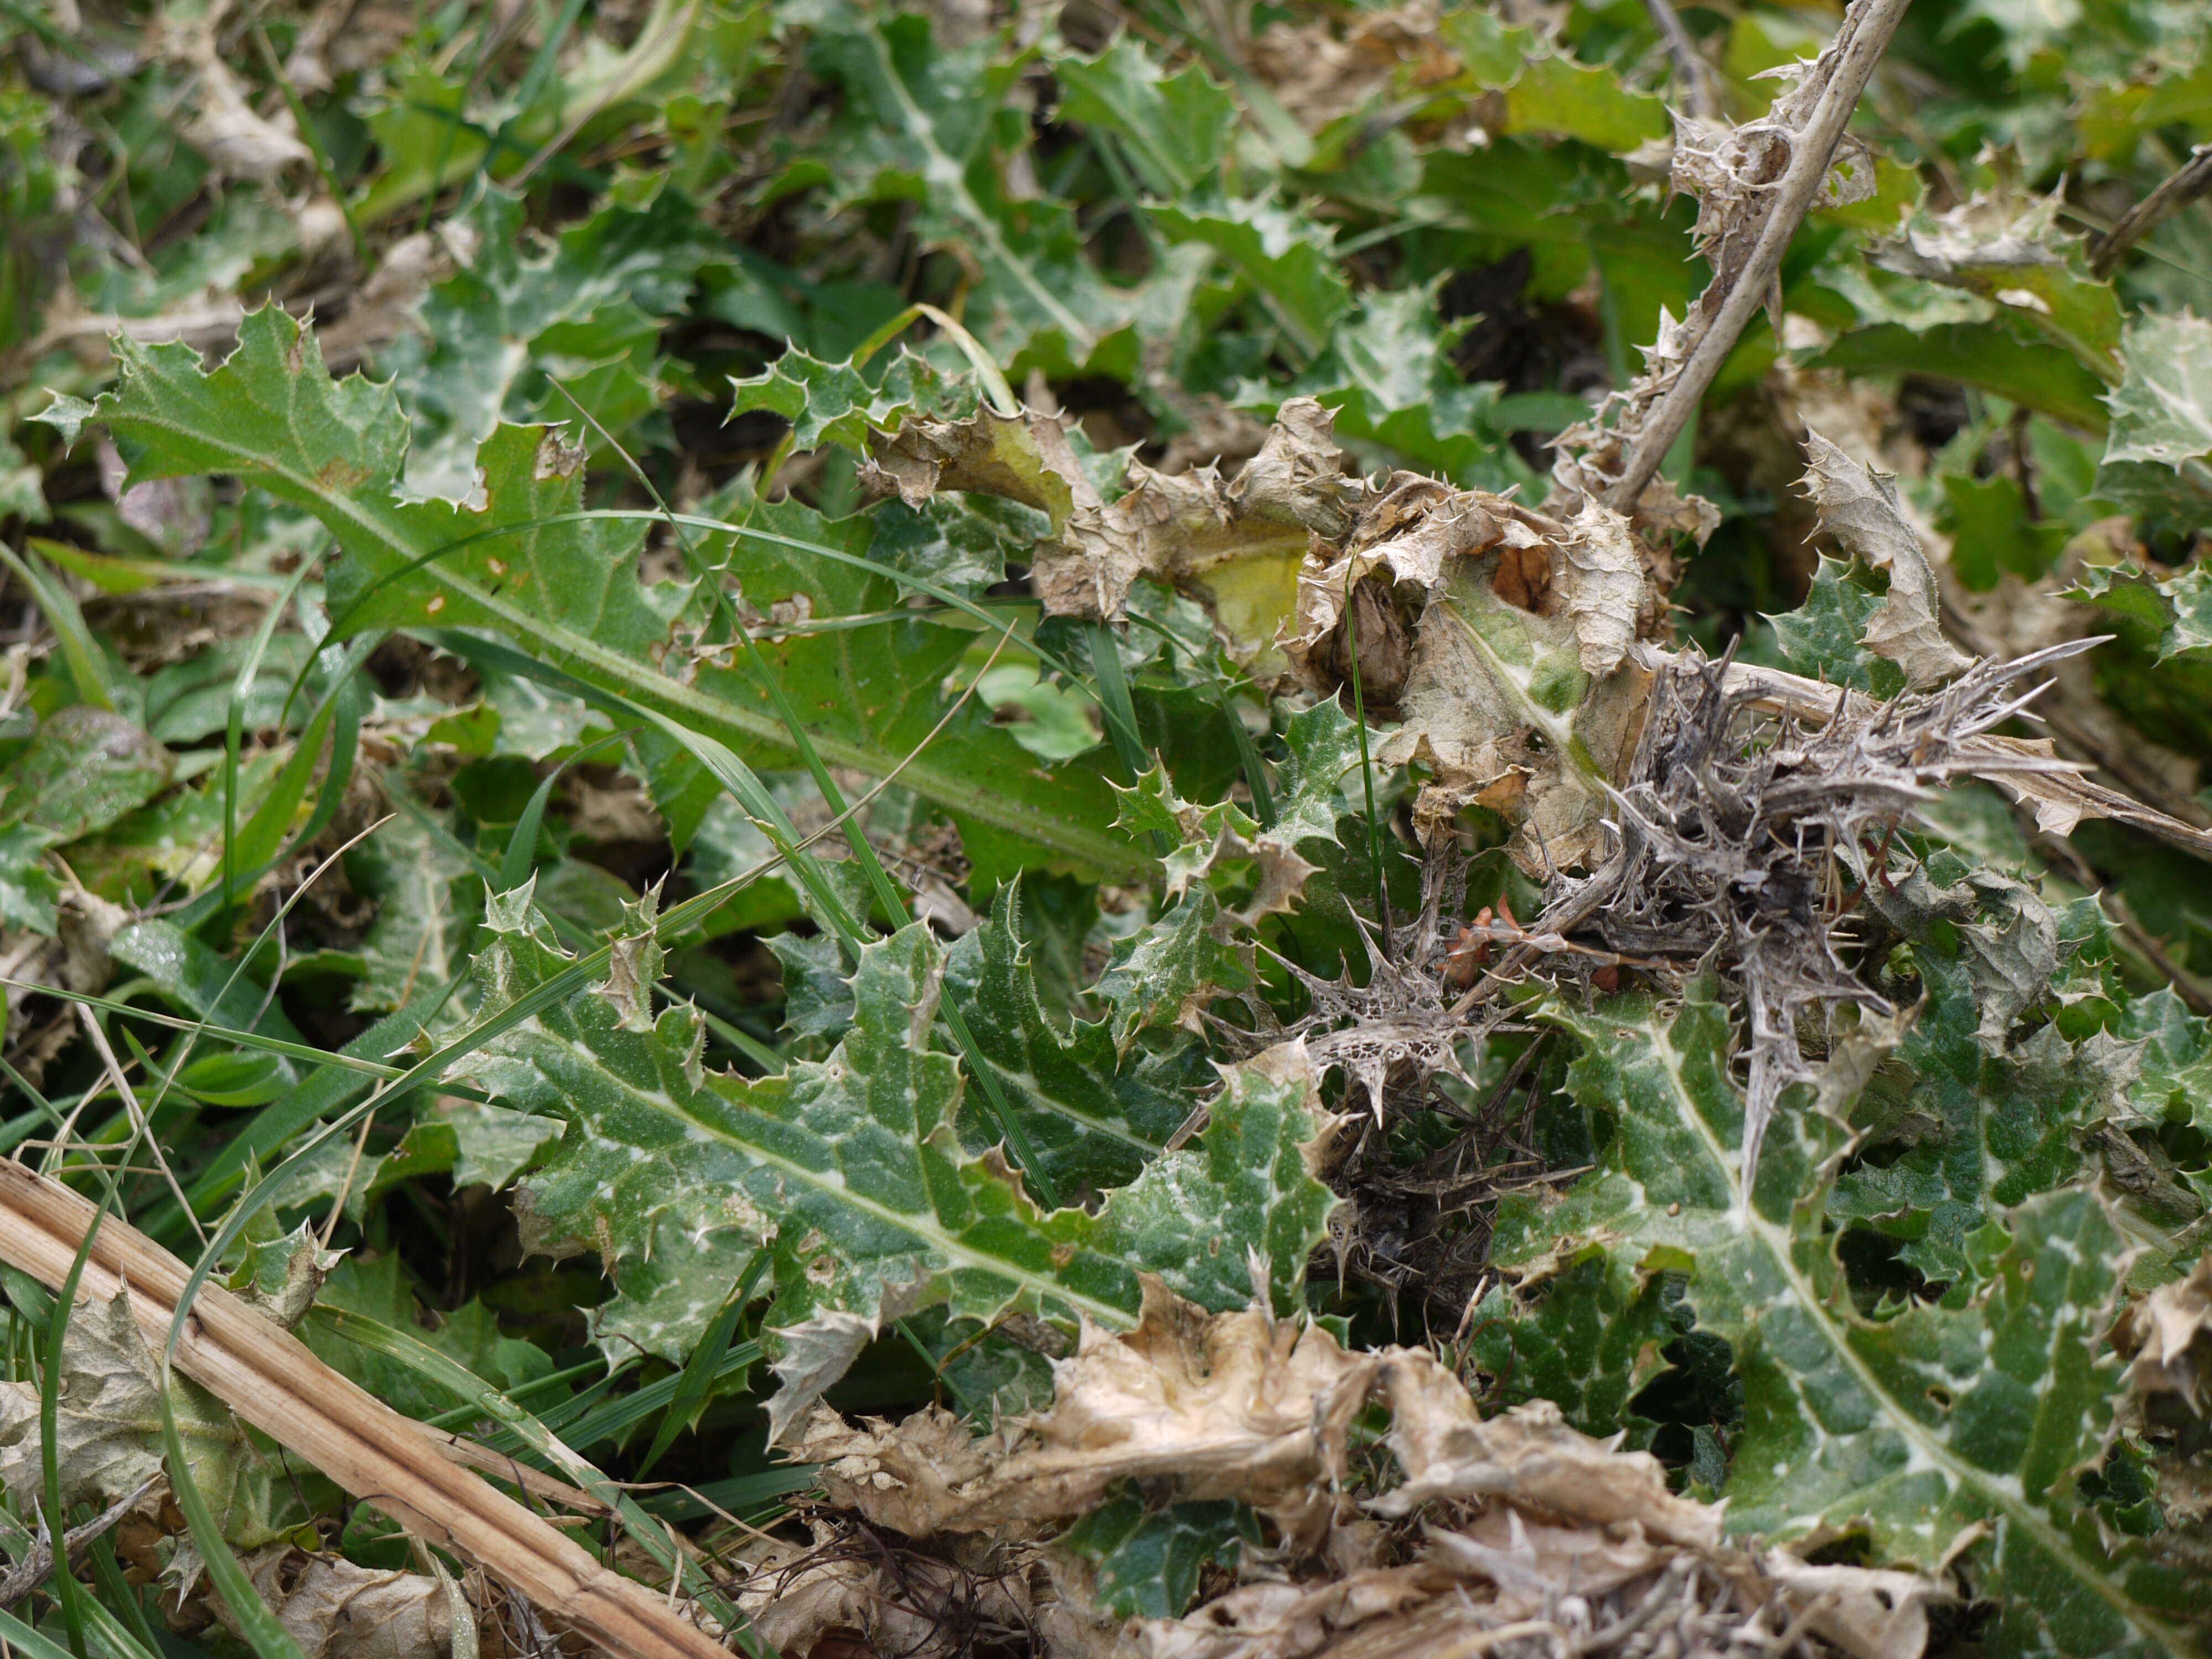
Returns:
<point x="1513" y="1533"/>
<point x="335" y="1609"/>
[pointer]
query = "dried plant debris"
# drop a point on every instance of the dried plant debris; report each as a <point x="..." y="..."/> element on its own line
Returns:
<point x="108" y="1424"/>
<point x="336" y="1609"/>
<point x="2170" y="1336"/>
<point x="850" y="1588"/>
<point x="1735" y="173"/>
<point x="1496" y="638"/>
<point x="1183" y="527"/>
<point x="1529" y="1533"/>
<point x="1860" y="508"/>
<point x="1730" y="836"/>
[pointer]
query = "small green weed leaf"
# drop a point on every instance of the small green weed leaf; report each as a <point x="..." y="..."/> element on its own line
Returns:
<point x="585" y="313"/>
<point x="428" y="900"/>
<point x="1168" y="973"/>
<point x="2036" y="371"/>
<point x="918" y="127"/>
<point x="279" y="1272"/>
<point x="380" y="1288"/>
<point x="1822" y="639"/>
<point x="2014" y="255"/>
<point x="818" y="998"/>
<point x="1388" y="373"/>
<point x="837" y="404"/>
<point x="1549" y="93"/>
<point x="1282" y="253"/>
<point x="27" y="888"/>
<point x="491" y="1144"/>
<point x="2162" y="411"/>
<point x="2177" y="611"/>
<point x="1175" y="129"/>
<point x="86" y="769"/>
<point x="1580" y="1338"/>
<point x="2174" y="1082"/>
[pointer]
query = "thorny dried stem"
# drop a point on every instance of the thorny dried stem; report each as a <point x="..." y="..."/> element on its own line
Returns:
<point x="38" y="1562"/>
<point x="1734" y="815"/>
<point x="1756" y="183"/>
<point x="2192" y="179"/>
<point x="1729" y="821"/>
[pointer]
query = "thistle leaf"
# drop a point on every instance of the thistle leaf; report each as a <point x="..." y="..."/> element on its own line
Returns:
<point x="1925" y="1429"/>
<point x="272" y="415"/>
<point x="1095" y="1116"/>
<point x="852" y="1171"/>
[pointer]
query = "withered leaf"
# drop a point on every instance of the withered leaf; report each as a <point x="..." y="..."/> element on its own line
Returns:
<point x="108" y="1425"/>
<point x="1860" y="508"/>
<point x="335" y="1609"/>
<point x="2174" y="1329"/>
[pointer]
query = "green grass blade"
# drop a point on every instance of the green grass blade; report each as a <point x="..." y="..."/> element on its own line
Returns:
<point x="522" y="844"/>
<point x="263" y="1631"/>
<point x="233" y="736"/>
<point x="694" y="1384"/>
<point x="86" y="669"/>
<point x="427" y="1362"/>
<point x="32" y="1644"/>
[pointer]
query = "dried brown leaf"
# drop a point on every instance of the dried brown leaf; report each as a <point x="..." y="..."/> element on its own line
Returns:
<point x="237" y="142"/>
<point x="1602" y="575"/>
<point x="1318" y="77"/>
<point x="1233" y="1405"/>
<point x="337" y="1610"/>
<point x="108" y="1423"/>
<point x="847" y="1591"/>
<point x="1860" y="508"/>
<point x="1239" y="544"/>
<point x="1287" y="1621"/>
<point x="1528" y="1456"/>
<point x="2173" y="1328"/>
<point x="1867" y="1613"/>
<point x="902" y="1476"/>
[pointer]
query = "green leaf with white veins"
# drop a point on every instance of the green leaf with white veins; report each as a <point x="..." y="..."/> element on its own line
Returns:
<point x="919" y="127"/>
<point x="853" y="1170"/>
<point x="2180" y="608"/>
<point x="427" y="901"/>
<point x="2174" y="1081"/>
<point x="1095" y="1116"/>
<point x="1281" y="252"/>
<point x="1823" y="639"/>
<point x="494" y="329"/>
<point x="2159" y="452"/>
<point x="1388" y="373"/>
<point x="1955" y="1426"/>
<point x="273" y="416"/>
<point x="2009" y="1123"/>
<point x="835" y="402"/>
<point x="1168" y="973"/>
<point x="1175" y="129"/>
<point x="2163" y="410"/>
